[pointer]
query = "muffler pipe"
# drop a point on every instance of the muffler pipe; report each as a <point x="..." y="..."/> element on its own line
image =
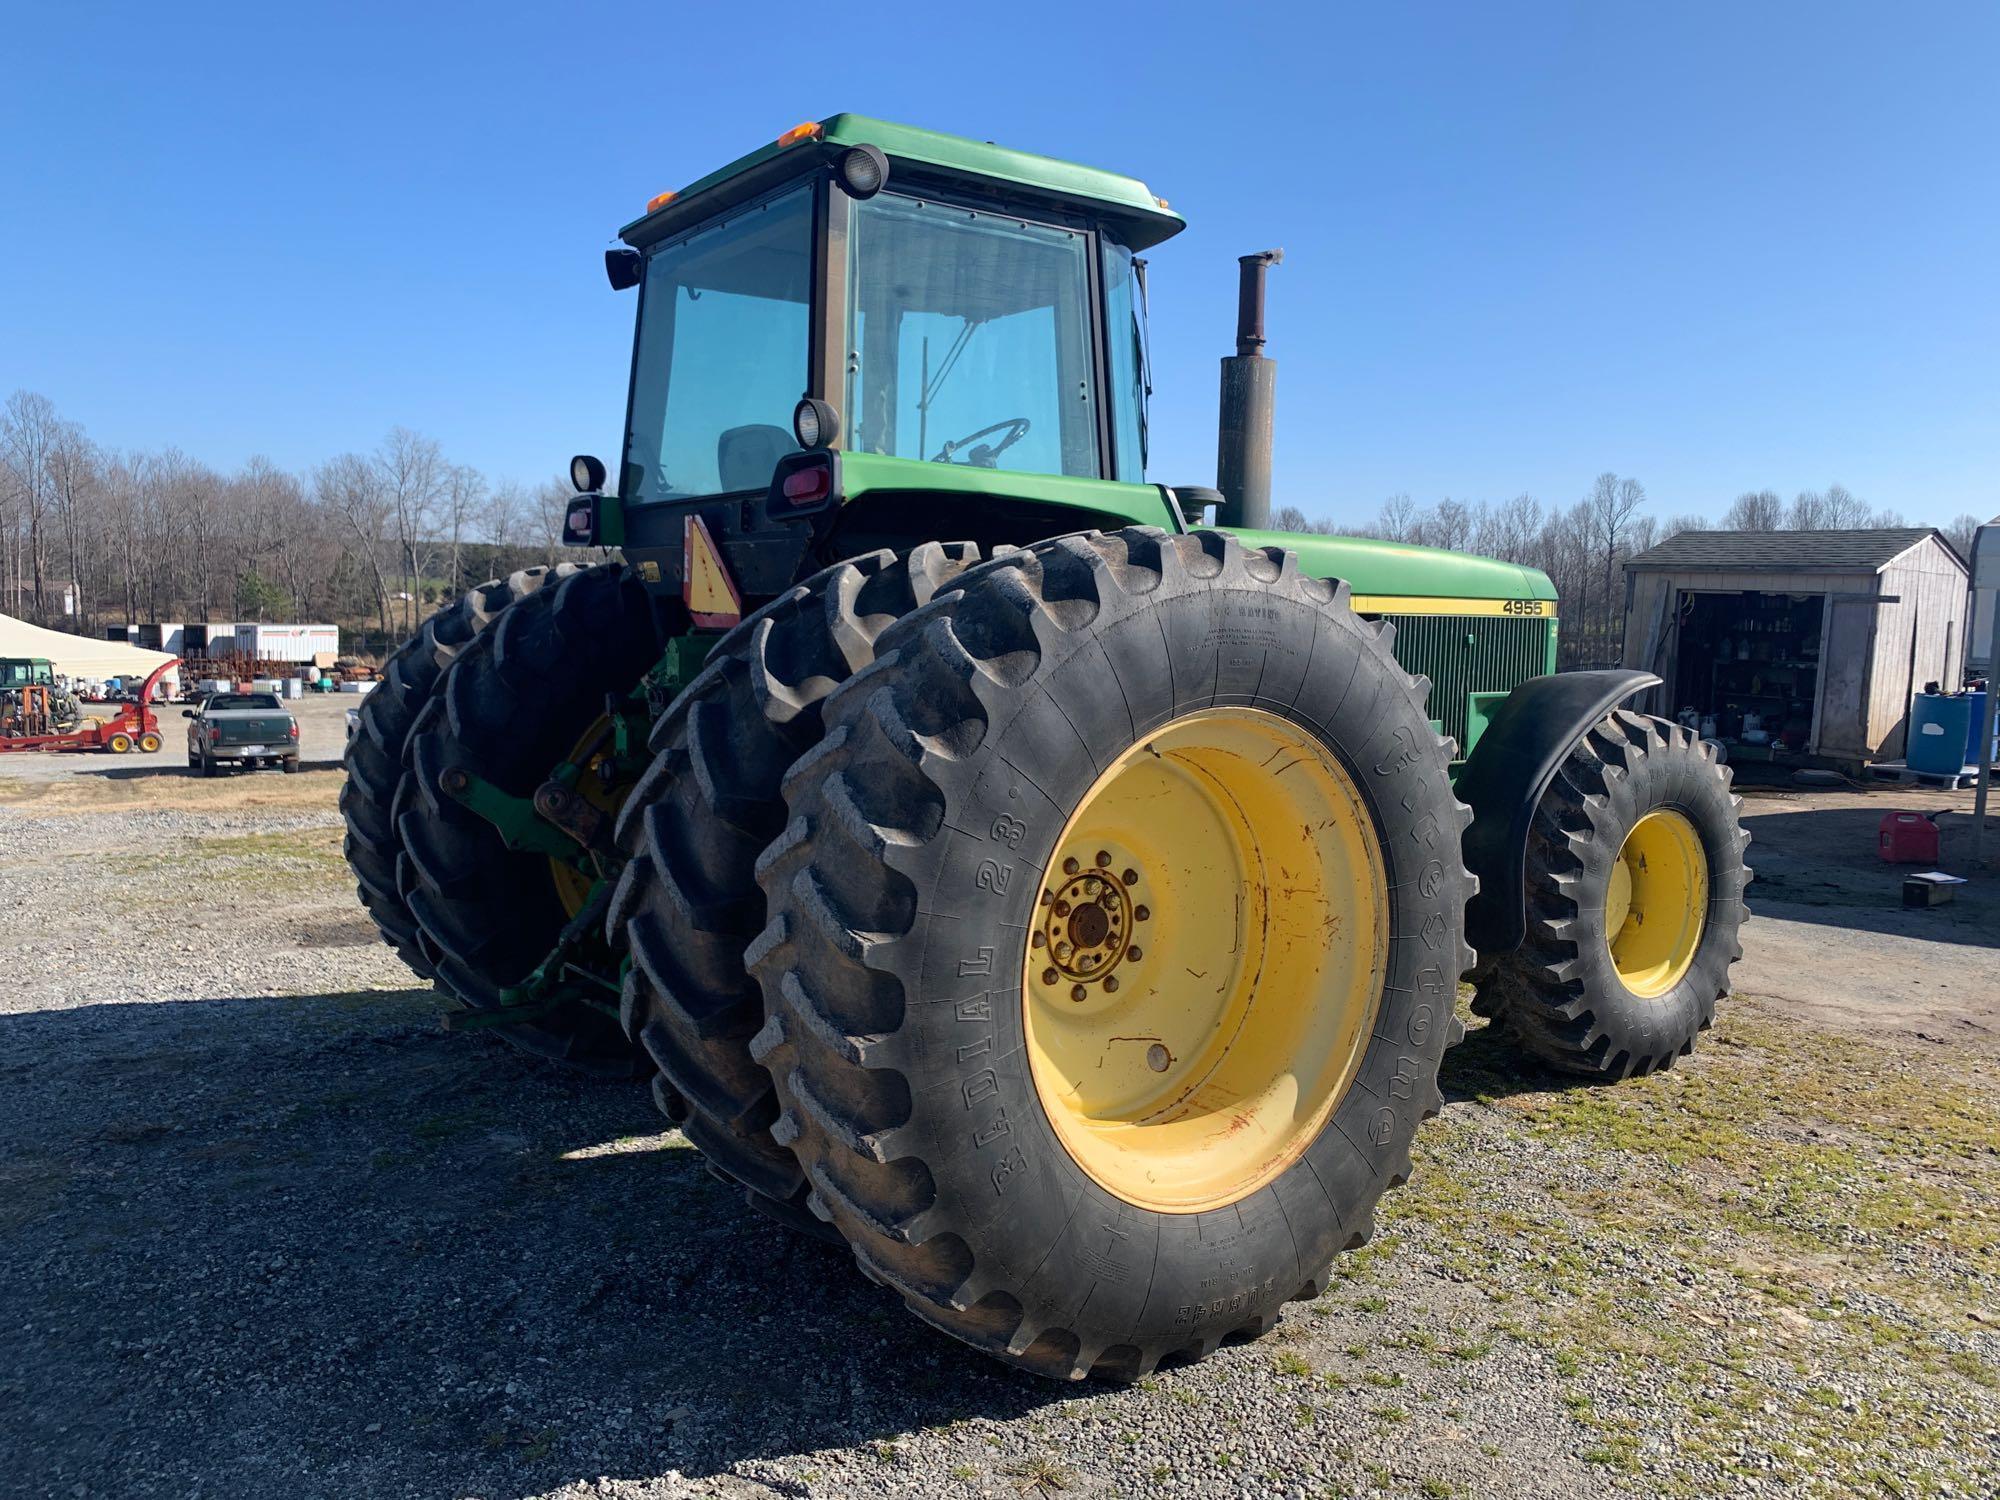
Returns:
<point x="1249" y="405"/>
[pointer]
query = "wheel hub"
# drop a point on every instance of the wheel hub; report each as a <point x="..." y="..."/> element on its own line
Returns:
<point x="1084" y="939"/>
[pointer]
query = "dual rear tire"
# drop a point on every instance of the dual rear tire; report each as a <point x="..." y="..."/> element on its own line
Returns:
<point x="1153" y="1151"/>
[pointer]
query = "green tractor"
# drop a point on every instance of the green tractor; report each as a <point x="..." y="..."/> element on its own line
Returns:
<point x="18" y="674"/>
<point x="1058" y="901"/>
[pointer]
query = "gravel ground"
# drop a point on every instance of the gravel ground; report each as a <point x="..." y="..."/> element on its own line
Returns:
<point x="266" y="1230"/>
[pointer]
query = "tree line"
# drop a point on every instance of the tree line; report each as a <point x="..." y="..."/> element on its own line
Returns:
<point x="1584" y="546"/>
<point x="91" y="537"/>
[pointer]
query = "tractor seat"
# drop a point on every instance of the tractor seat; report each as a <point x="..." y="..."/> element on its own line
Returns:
<point x="745" y="456"/>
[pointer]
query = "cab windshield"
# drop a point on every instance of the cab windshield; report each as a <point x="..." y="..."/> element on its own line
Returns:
<point x="969" y="339"/>
<point x="721" y="355"/>
<point x="20" y="674"/>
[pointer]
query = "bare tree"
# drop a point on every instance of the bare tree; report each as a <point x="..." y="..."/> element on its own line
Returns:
<point x="29" y="433"/>
<point x="1613" y="502"/>
<point x="1289" y="518"/>
<point x="464" y="494"/>
<point x="1398" y="521"/>
<point x="1844" y="511"/>
<point x="73" y="482"/>
<point x="409" y="467"/>
<point x="1450" y="525"/>
<point x="351" y="488"/>
<point x="506" y="516"/>
<point x="1755" y="510"/>
<point x="1960" y="533"/>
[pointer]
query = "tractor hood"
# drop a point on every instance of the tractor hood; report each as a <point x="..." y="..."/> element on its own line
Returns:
<point x="1378" y="570"/>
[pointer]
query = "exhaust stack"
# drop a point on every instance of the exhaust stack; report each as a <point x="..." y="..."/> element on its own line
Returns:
<point x="1249" y="406"/>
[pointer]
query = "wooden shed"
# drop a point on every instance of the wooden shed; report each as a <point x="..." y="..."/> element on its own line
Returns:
<point x="1799" y="645"/>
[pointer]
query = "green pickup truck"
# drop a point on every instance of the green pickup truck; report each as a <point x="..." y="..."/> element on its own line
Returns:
<point x="241" y="729"/>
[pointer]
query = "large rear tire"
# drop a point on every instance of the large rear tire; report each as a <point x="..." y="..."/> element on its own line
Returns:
<point x="688" y="903"/>
<point x="515" y="703"/>
<point x="1635" y="881"/>
<point x="1102" y="738"/>
<point x="375" y="768"/>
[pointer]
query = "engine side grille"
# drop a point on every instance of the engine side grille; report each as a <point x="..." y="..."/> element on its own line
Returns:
<point x="1465" y="654"/>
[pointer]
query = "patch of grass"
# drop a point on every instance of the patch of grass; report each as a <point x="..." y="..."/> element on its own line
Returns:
<point x="1043" y="1475"/>
<point x="1291" y="1362"/>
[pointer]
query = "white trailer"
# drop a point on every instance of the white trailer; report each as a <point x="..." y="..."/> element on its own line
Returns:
<point x="287" y="643"/>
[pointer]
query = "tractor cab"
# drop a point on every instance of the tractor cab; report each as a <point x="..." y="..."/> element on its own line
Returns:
<point x="18" y="672"/>
<point x="845" y="327"/>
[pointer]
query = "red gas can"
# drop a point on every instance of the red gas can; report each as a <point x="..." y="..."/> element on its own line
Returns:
<point x="1907" y="838"/>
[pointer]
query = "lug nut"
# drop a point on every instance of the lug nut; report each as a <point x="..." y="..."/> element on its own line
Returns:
<point x="1110" y="982"/>
<point x="1103" y="859"/>
<point x="1140" y="913"/>
<point x="1070" y="866"/>
<point x="1063" y="950"/>
<point x="1049" y="976"/>
<point x="1079" y="993"/>
<point x="1157" y="1058"/>
<point x="1092" y="887"/>
<point x="1038" y="940"/>
<point x="1062" y="908"/>
<point x="1131" y="877"/>
<point x="1135" y="953"/>
<point x="1047" y="897"/>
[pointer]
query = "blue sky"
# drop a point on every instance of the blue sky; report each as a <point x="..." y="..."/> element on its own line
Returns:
<point x="1715" y="246"/>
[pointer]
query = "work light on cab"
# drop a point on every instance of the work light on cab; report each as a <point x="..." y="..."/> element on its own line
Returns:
<point x="586" y="473"/>
<point x="864" y="170"/>
<point x="815" y="423"/>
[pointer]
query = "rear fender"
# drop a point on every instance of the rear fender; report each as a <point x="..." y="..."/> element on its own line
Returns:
<point x="1503" y="781"/>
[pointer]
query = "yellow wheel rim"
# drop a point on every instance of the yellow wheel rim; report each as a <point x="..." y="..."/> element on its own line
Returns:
<point x="1206" y="960"/>
<point x="594" y="747"/>
<point x="1657" y="905"/>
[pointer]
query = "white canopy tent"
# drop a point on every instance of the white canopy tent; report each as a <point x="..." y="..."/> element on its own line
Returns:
<point x="77" y="657"/>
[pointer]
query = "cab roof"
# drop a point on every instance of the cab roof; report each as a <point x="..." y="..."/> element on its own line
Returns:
<point x="1125" y="203"/>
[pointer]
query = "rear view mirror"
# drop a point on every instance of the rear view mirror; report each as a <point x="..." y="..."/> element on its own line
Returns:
<point x="187" y="713"/>
<point x="623" y="267"/>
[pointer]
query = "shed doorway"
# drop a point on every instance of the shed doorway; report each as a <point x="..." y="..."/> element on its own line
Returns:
<point x="1748" y="668"/>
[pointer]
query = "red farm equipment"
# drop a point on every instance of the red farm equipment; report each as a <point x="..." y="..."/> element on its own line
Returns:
<point x="30" y="724"/>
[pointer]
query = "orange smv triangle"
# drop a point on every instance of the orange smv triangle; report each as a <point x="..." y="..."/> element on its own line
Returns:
<point x="706" y="587"/>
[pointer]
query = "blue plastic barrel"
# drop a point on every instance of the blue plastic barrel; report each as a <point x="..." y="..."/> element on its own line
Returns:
<point x="1940" y="730"/>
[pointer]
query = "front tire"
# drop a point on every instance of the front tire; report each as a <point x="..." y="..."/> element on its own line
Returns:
<point x="1084" y="1175"/>
<point x="1635" y="881"/>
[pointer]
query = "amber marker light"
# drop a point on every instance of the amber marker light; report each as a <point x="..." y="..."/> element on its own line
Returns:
<point x="659" y="201"/>
<point x="809" y="131"/>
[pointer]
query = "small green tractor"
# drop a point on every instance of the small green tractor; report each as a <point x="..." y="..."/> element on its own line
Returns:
<point x="1058" y="901"/>
<point x="19" y="676"/>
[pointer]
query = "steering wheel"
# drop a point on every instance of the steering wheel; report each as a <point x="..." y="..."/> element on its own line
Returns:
<point x="984" y="455"/>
